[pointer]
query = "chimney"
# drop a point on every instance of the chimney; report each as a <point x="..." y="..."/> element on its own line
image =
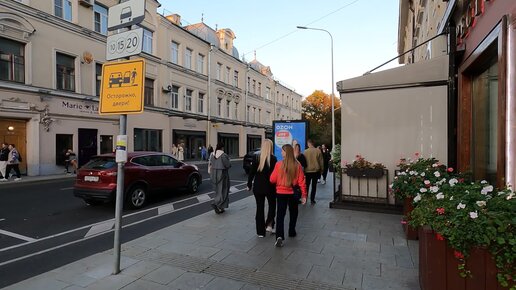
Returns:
<point x="174" y="18"/>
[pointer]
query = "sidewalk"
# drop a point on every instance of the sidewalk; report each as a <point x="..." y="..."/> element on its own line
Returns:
<point x="334" y="249"/>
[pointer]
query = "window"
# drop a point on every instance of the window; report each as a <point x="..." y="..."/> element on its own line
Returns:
<point x="12" y="60"/>
<point x="235" y="79"/>
<point x="147" y="41"/>
<point x="188" y="100"/>
<point x="63" y="9"/>
<point x="219" y="71"/>
<point x="188" y="58"/>
<point x="65" y="70"/>
<point x="200" y="63"/>
<point x="100" y="18"/>
<point x="268" y="116"/>
<point x="98" y="78"/>
<point x="267" y="93"/>
<point x="174" y="103"/>
<point x="228" y="108"/>
<point x="248" y="83"/>
<point x="63" y="143"/>
<point x="254" y="86"/>
<point x="236" y="112"/>
<point x="228" y="72"/>
<point x="259" y="89"/>
<point x="148" y="92"/>
<point x="259" y="116"/>
<point x="254" y="115"/>
<point x="174" y="58"/>
<point x="106" y="144"/>
<point x="147" y="140"/>
<point x="248" y="113"/>
<point x="200" y="103"/>
<point x="219" y="107"/>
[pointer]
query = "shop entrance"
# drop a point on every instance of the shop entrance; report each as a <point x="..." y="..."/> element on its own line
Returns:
<point x="230" y="143"/>
<point x="191" y="141"/>
<point x="87" y="145"/>
<point x="253" y="142"/>
<point x="13" y="131"/>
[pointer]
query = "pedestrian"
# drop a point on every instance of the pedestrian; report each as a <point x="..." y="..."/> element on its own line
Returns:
<point x="326" y="162"/>
<point x="261" y="169"/>
<point x="4" y="156"/>
<point x="204" y="153"/>
<point x="72" y="160"/>
<point x="287" y="175"/>
<point x="299" y="155"/>
<point x="210" y="150"/>
<point x="314" y="168"/>
<point x="174" y="151"/>
<point x="13" y="162"/>
<point x="219" y="174"/>
<point x="180" y="153"/>
<point x="67" y="162"/>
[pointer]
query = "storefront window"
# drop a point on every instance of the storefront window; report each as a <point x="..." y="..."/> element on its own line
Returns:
<point x="147" y="140"/>
<point x="63" y="143"/>
<point x="106" y="144"/>
<point x="484" y="141"/>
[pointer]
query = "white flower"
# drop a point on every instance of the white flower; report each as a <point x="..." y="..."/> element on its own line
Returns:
<point x="434" y="189"/>
<point x="461" y="206"/>
<point x="501" y="193"/>
<point x="451" y="198"/>
<point x="481" y="203"/>
<point x="486" y="189"/>
<point x="417" y="198"/>
<point x="403" y="173"/>
<point x="437" y="174"/>
<point x="412" y="172"/>
<point x="473" y="214"/>
<point x="453" y="181"/>
<point x="422" y="174"/>
<point x="435" y="165"/>
<point x="510" y="196"/>
<point x="390" y="185"/>
<point x="483" y="182"/>
<point x="423" y="190"/>
<point x="440" y="195"/>
<point x="426" y="182"/>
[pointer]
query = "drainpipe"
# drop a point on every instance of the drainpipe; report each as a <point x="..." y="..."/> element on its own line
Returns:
<point x="411" y="8"/>
<point x="246" y="94"/>
<point x="510" y="121"/>
<point x="208" y="136"/>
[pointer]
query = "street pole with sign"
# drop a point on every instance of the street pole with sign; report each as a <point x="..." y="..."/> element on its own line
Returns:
<point x="122" y="91"/>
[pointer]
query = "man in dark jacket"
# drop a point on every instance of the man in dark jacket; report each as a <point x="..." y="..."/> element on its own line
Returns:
<point x="4" y="153"/>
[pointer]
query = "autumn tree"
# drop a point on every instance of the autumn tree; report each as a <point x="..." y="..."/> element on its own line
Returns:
<point x="317" y="111"/>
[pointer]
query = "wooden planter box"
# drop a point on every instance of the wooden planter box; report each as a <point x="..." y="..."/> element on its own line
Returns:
<point x="368" y="173"/>
<point x="410" y="232"/>
<point x="438" y="267"/>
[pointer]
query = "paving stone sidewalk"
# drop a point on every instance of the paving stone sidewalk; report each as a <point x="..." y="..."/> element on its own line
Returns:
<point x="334" y="249"/>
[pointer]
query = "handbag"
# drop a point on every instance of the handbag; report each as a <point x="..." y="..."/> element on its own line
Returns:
<point x="297" y="191"/>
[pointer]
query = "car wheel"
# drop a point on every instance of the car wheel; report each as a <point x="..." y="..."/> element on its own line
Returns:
<point x="137" y="197"/>
<point x="92" y="202"/>
<point x="193" y="184"/>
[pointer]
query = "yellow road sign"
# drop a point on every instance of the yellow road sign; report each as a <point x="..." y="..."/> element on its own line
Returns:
<point x="122" y="87"/>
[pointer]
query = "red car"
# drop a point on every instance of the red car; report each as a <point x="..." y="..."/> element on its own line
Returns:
<point x="145" y="172"/>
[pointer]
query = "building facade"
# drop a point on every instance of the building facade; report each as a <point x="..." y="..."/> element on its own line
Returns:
<point x="197" y="90"/>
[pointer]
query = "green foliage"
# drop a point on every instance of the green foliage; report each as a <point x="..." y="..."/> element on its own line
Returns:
<point x="361" y="163"/>
<point x="317" y="111"/>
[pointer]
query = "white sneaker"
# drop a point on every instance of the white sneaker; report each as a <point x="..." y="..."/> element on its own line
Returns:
<point x="318" y="181"/>
<point x="4" y="180"/>
<point x="279" y="242"/>
<point x="261" y="236"/>
<point x="17" y="179"/>
<point x="323" y="182"/>
<point x="268" y="229"/>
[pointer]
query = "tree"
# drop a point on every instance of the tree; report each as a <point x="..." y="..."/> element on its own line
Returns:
<point x="317" y="111"/>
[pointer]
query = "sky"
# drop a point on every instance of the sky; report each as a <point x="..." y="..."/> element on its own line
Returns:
<point x="364" y="34"/>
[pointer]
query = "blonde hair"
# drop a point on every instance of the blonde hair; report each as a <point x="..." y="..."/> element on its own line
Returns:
<point x="265" y="154"/>
<point x="289" y="165"/>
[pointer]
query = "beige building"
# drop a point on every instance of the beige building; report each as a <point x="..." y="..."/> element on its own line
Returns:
<point x="197" y="90"/>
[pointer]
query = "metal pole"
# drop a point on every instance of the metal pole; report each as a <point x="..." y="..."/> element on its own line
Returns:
<point x="119" y="200"/>
<point x="208" y="137"/>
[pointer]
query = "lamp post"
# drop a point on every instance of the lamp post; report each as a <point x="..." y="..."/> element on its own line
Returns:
<point x="332" y="86"/>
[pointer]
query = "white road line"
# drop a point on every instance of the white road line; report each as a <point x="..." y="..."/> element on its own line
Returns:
<point x="203" y="198"/>
<point x="164" y="209"/>
<point x="86" y="238"/>
<point x="104" y="227"/>
<point x="15" y="235"/>
<point x="66" y="188"/>
<point x="2" y="220"/>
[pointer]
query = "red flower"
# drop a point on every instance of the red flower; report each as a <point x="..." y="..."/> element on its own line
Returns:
<point x="403" y="222"/>
<point x="458" y="255"/>
<point x="439" y="237"/>
<point x="461" y="180"/>
<point x="416" y="154"/>
<point x="440" y="210"/>
<point x="449" y="169"/>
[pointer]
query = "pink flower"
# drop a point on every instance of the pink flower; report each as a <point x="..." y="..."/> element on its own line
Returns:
<point x="458" y="255"/>
<point x="403" y="222"/>
<point x="440" y="210"/>
<point x="449" y="169"/>
<point x="439" y="237"/>
<point x="416" y="154"/>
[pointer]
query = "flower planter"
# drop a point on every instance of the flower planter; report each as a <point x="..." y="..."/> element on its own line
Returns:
<point x="366" y="172"/>
<point x="438" y="267"/>
<point x="410" y="232"/>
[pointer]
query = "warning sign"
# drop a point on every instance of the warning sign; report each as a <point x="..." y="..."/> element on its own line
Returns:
<point x="122" y="87"/>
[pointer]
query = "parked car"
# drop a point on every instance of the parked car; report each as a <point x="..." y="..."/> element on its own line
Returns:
<point x="248" y="159"/>
<point x="145" y="173"/>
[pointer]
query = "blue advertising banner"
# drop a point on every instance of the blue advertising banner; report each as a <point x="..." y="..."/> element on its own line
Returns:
<point x="289" y="132"/>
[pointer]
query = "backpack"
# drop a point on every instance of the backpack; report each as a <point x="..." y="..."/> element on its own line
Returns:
<point x="20" y="159"/>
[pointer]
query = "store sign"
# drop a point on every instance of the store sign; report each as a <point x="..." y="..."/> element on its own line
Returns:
<point x="289" y="132"/>
<point x="474" y="9"/>
<point x="80" y="107"/>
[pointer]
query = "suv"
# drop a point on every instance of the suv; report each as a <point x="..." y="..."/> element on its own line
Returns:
<point x="144" y="173"/>
<point x="248" y="159"/>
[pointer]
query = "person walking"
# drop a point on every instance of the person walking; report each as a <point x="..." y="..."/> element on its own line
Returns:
<point x="72" y="160"/>
<point x="174" y="151"/>
<point x="180" y="153"/>
<point x="13" y="162"/>
<point x="314" y="167"/>
<point x="300" y="157"/>
<point x="210" y="150"/>
<point x="261" y="169"/>
<point x="287" y="175"/>
<point x="203" y="153"/>
<point x="4" y="156"/>
<point x="326" y="162"/>
<point x="219" y="174"/>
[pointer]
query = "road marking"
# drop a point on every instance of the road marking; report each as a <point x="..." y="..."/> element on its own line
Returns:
<point x="66" y="188"/>
<point x="233" y="189"/>
<point x="165" y="208"/>
<point x="103" y="227"/>
<point x="2" y="220"/>
<point x="206" y="179"/>
<point x="15" y="235"/>
<point x="203" y="198"/>
<point x="83" y="239"/>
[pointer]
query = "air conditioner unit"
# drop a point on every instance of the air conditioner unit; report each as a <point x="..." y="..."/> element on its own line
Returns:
<point x="167" y="88"/>
<point x="86" y="3"/>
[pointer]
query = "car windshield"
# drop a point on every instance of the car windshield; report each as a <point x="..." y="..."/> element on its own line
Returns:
<point x="100" y="163"/>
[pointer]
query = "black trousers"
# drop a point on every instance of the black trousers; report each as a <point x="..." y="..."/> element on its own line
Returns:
<point x="261" y="223"/>
<point x="283" y="201"/>
<point x="325" y="171"/>
<point x="16" y="168"/>
<point x="311" y="177"/>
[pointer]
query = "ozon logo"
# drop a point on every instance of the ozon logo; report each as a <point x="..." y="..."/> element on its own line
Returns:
<point x="284" y="127"/>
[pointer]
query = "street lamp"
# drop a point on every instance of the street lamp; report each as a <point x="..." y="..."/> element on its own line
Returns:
<point x="332" y="86"/>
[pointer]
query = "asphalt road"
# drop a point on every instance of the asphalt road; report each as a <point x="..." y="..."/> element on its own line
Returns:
<point x="43" y="226"/>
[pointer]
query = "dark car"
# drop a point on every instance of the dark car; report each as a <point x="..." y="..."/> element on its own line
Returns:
<point x="248" y="159"/>
<point x="144" y="173"/>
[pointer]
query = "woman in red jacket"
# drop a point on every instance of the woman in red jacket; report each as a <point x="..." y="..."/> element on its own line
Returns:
<point x="287" y="174"/>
